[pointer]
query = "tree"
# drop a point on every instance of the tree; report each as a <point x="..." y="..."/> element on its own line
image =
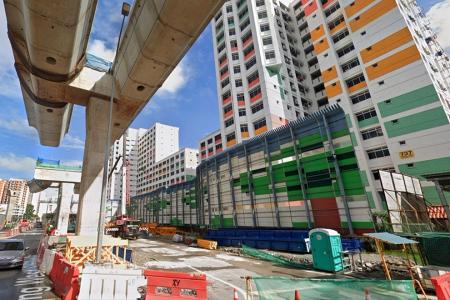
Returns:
<point x="29" y="212"/>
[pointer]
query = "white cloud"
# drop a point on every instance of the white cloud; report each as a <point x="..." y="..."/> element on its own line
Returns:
<point x="9" y="83"/>
<point x="440" y="22"/>
<point x="176" y="80"/>
<point x="23" y="165"/>
<point x="98" y="48"/>
<point x="72" y="142"/>
<point x="17" y="126"/>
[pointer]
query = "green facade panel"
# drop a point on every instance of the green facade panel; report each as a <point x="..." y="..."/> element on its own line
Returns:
<point x="370" y="199"/>
<point x="368" y="122"/>
<point x="431" y="196"/>
<point x="414" y="123"/>
<point x="416" y="98"/>
<point x="426" y="167"/>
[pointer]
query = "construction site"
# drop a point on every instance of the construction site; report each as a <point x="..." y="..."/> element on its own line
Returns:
<point x="329" y="177"/>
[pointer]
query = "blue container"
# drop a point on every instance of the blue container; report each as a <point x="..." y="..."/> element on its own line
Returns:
<point x="263" y="244"/>
<point x="236" y="242"/>
<point x="299" y="247"/>
<point x="280" y="245"/>
<point x="250" y="243"/>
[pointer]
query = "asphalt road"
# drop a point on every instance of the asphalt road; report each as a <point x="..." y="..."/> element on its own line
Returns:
<point x="26" y="283"/>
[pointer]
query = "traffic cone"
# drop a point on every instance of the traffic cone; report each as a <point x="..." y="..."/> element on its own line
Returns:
<point x="297" y="295"/>
<point x="236" y="297"/>
<point x="366" y="294"/>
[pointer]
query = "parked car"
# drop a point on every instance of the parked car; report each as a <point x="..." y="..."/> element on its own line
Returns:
<point x="12" y="253"/>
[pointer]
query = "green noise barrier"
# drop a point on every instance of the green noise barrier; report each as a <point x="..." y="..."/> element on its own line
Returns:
<point x="277" y="288"/>
<point x="278" y="260"/>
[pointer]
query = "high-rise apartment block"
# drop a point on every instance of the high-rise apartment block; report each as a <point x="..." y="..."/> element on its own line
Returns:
<point x="160" y="162"/>
<point x="3" y="189"/>
<point x="17" y="196"/>
<point x="211" y="144"/>
<point x="131" y="145"/>
<point x="280" y="60"/>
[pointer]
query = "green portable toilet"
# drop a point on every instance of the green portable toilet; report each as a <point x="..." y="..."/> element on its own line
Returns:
<point x="326" y="249"/>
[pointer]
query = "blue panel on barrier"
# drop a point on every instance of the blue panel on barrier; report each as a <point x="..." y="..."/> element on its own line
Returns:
<point x="282" y="235"/>
<point x="280" y="246"/>
<point x="263" y="245"/>
<point x="297" y="247"/>
<point x="351" y="244"/>
<point x="249" y="243"/>
<point x="266" y="235"/>
<point x="236" y="242"/>
<point x="253" y="234"/>
<point x="297" y="235"/>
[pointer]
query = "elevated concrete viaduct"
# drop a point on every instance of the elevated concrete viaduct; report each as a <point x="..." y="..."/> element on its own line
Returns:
<point x="49" y="40"/>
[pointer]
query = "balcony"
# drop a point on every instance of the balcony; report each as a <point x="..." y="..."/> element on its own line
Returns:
<point x="245" y="135"/>
<point x="247" y="42"/>
<point x="231" y="142"/>
<point x="234" y="49"/>
<point x="310" y="55"/>
<point x="224" y="75"/>
<point x="250" y="54"/>
<point x="253" y="83"/>
<point x="226" y="100"/>
<point x="228" y="114"/>
<point x="314" y="67"/>
<point x="241" y="103"/>
<point x="261" y="130"/>
<point x="317" y="81"/>
<point x="321" y="94"/>
<point x="223" y="63"/>
<point x="256" y="97"/>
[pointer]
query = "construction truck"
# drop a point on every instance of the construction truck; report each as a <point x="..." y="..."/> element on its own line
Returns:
<point x="124" y="227"/>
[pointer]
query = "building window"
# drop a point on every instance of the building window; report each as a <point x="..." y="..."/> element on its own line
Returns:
<point x="231" y="137"/>
<point x="229" y="122"/>
<point x="340" y="35"/>
<point x="244" y="25"/>
<point x="232" y="31"/>
<point x="226" y="95"/>
<point x="267" y="41"/>
<point x="332" y="9"/>
<point x="355" y="80"/>
<point x="235" y="56"/>
<point x="240" y="97"/>
<point x="257" y="107"/>
<point x="225" y="110"/>
<point x="259" y="124"/>
<point x="371" y="133"/>
<point x="223" y="71"/>
<point x="238" y="82"/>
<point x="260" y="3"/>
<point x="378" y="153"/>
<point x="262" y="14"/>
<point x="264" y="27"/>
<point x="336" y="22"/>
<point x="346" y="49"/>
<point x="248" y="49"/>
<point x="367" y="114"/>
<point x="242" y="112"/>
<point x="250" y="63"/>
<point x="225" y="82"/>
<point x="244" y="128"/>
<point x="254" y="76"/>
<point x="255" y="92"/>
<point x="229" y="8"/>
<point x="360" y="97"/>
<point x="350" y="64"/>
<point x="237" y="69"/>
<point x="270" y="54"/>
<point x="233" y="44"/>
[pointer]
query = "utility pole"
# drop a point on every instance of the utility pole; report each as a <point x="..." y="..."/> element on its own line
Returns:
<point x="101" y="219"/>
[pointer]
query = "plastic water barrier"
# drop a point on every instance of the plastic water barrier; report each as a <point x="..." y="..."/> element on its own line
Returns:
<point x="442" y="286"/>
<point x="274" y="288"/>
<point x="112" y="283"/>
<point x="47" y="261"/>
<point x="163" y="285"/>
<point x="272" y="239"/>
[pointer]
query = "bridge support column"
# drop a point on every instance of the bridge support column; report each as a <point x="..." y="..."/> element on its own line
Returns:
<point x="64" y="203"/>
<point x="91" y="178"/>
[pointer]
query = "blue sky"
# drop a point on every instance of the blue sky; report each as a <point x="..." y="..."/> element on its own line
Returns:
<point x="187" y="100"/>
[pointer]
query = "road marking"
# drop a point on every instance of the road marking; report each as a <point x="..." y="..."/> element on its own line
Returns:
<point x="32" y="284"/>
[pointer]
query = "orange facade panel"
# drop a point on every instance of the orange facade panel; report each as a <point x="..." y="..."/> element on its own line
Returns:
<point x="245" y="134"/>
<point x="387" y="44"/>
<point x="310" y="8"/>
<point x="321" y="46"/>
<point x="260" y="130"/>
<point x="372" y="14"/>
<point x="231" y="143"/>
<point x="357" y="6"/>
<point x="357" y="87"/>
<point x="317" y="33"/>
<point x="333" y="89"/>
<point x="329" y="74"/>
<point x="393" y="62"/>
<point x="338" y="27"/>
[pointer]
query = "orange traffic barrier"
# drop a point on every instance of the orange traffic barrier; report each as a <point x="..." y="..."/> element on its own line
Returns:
<point x="162" y="285"/>
<point x="297" y="295"/>
<point x="442" y="286"/>
<point x="166" y="230"/>
<point x="57" y="267"/>
<point x="211" y="245"/>
<point x="40" y="252"/>
<point x="67" y="286"/>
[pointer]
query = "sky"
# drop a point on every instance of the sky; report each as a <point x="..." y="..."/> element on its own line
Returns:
<point x="188" y="98"/>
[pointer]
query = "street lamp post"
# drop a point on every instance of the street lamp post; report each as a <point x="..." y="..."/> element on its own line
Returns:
<point x="101" y="220"/>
